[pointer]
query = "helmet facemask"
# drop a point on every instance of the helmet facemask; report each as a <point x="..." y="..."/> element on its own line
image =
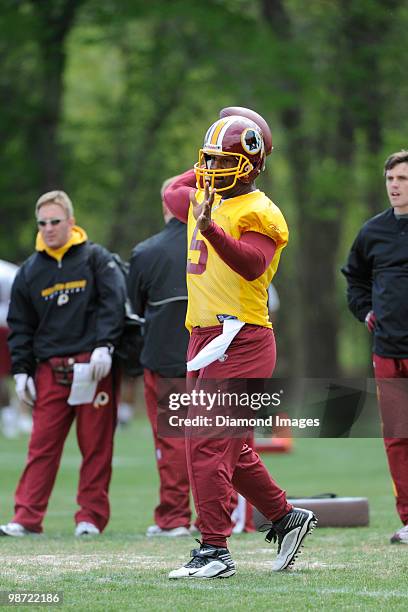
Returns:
<point x="204" y="172"/>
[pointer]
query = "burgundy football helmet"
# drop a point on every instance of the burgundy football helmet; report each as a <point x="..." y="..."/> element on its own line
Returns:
<point x="235" y="136"/>
<point x="254" y="116"/>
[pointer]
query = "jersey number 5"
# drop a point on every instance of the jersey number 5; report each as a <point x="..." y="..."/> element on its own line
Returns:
<point x="201" y="247"/>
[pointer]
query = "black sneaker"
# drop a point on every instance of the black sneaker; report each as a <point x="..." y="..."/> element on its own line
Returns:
<point x="290" y="532"/>
<point x="207" y="562"/>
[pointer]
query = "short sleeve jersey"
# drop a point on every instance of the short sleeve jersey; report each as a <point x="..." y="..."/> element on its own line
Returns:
<point x="214" y="289"/>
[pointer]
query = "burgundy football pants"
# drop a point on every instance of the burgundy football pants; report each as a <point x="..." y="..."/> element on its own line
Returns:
<point x="393" y="400"/>
<point x="52" y="420"/>
<point x="173" y="509"/>
<point x="217" y="465"/>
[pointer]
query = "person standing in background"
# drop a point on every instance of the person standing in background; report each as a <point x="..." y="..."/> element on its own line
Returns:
<point x="67" y="307"/>
<point x="377" y="293"/>
<point x="157" y="290"/>
<point x="9" y="414"/>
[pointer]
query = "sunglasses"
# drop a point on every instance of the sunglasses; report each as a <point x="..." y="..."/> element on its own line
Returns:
<point x="53" y="222"/>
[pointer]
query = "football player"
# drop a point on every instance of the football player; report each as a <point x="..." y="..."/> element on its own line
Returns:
<point x="235" y="238"/>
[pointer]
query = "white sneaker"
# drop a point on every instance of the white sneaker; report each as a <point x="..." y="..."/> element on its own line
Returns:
<point x="84" y="528"/>
<point x="125" y="413"/>
<point x="400" y="536"/>
<point x="15" y="530"/>
<point x="176" y="532"/>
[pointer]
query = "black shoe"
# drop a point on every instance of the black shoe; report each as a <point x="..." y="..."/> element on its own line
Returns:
<point x="207" y="562"/>
<point x="290" y="532"/>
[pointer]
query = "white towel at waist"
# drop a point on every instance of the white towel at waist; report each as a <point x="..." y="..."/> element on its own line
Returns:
<point x="217" y="347"/>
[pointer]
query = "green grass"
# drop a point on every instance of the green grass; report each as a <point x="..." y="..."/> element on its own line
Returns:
<point x="344" y="569"/>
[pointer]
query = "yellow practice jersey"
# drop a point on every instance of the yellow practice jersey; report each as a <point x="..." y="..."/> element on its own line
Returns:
<point x="213" y="287"/>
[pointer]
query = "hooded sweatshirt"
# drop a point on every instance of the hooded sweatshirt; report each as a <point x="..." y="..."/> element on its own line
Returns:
<point x="63" y="302"/>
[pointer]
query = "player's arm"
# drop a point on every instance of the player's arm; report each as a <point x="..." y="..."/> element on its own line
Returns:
<point x="177" y="195"/>
<point x="358" y="273"/>
<point x="23" y="322"/>
<point x="249" y="256"/>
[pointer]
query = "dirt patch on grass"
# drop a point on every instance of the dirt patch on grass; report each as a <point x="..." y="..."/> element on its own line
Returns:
<point x="28" y="566"/>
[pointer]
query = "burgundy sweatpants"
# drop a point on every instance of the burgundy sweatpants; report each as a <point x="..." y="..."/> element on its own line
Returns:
<point x="52" y="420"/>
<point x="217" y="465"/>
<point x="393" y="400"/>
<point x="174" y="502"/>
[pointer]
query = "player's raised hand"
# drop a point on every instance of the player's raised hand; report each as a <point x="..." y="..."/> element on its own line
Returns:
<point x="202" y="211"/>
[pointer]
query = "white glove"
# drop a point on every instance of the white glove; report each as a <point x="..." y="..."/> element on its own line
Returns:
<point x="25" y="389"/>
<point x="101" y="363"/>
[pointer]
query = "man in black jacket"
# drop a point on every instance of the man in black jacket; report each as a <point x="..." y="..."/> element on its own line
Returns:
<point x="157" y="290"/>
<point x="66" y="308"/>
<point x="377" y="278"/>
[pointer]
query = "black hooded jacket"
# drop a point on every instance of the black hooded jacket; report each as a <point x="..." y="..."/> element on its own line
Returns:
<point x="65" y="308"/>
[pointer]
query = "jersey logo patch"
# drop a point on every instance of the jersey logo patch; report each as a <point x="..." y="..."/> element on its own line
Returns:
<point x="63" y="299"/>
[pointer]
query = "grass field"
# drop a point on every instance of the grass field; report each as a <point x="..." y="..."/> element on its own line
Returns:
<point x="344" y="569"/>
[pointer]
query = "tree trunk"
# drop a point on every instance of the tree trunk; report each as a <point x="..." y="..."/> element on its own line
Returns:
<point x="317" y="236"/>
<point x="165" y="93"/>
<point x="55" y="20"/>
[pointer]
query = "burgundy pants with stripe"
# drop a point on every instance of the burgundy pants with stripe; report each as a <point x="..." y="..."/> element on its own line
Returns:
<point x="52" y="420"/>
<point x="218" y="465"/>
<point x="393" y="400"/>
<point x="173" y="509"/>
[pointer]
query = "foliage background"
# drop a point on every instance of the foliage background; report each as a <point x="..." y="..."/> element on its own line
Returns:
<point x="108" y="98"/>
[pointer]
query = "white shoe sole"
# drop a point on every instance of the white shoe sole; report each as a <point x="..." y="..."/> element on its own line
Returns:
<point x="226" y="574"/>
<point x="5" y="533"/>
<point x="177" y="532"/>
<point x="288" y="561"/>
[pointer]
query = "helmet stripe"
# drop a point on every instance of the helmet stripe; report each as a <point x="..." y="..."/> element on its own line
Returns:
<point x="209" y="134"/>
<point x="218" y="127"/>
<point x="224" y="128"/>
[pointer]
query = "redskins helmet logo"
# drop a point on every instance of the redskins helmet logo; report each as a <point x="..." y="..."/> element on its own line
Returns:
<point x="251" y="141"/>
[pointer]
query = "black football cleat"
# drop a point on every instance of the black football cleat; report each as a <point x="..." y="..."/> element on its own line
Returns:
<point x="206" y="562"/>
<point x="290" y="532"/>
